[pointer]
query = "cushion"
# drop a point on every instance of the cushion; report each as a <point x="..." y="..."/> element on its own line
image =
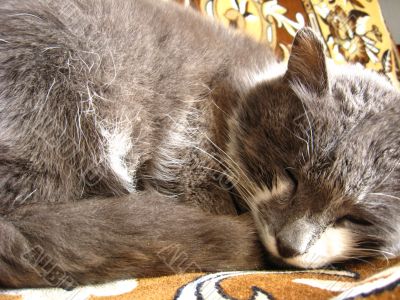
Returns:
<point x="353" y="30"/>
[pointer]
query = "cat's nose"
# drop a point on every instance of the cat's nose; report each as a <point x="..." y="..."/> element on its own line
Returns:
<point x="286" y="249"/>
<point x="294" y="238"/>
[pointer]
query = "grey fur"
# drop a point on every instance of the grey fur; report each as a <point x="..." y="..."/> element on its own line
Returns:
<point x="169" y="88"/>
<point x="335" y="138"/>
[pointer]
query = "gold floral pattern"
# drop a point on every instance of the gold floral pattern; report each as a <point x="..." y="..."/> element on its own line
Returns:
<point x="353" y="30"/>
<point x="261" y="19"/>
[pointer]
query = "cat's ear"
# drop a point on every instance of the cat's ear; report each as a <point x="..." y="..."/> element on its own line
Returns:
<point x="307" y="63"/>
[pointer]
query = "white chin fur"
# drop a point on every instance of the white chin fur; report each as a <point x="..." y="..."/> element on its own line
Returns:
<point x="334" y="245"/>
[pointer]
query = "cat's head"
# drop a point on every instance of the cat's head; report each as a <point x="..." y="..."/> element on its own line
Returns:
<point x="317" y="157"/>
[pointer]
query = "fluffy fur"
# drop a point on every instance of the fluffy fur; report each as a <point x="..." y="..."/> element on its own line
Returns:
<point x="333" y="141"/>
<point x="120" y="119"/>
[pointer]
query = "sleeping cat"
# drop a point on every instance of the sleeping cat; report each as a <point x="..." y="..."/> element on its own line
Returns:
<point x="118" y="120"/>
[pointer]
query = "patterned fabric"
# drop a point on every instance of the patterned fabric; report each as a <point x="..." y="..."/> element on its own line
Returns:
<point x="355" y="281"/>
<point x="353" y="30"/>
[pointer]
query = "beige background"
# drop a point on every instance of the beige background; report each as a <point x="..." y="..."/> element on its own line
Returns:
<point x="391" y="12"/>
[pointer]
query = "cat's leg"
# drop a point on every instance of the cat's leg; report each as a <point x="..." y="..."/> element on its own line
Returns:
<point x="98" y="240"/>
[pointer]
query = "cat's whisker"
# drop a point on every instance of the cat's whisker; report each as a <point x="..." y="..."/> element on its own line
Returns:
<point x="385" y="195"/>
<point x="216" y="105"/>
<point x="309" y="132"/>
<point x="295" y="135"/>
<point x="235" y="166"/>
<point x="231" y="178"/>
<point x="219" y="149"/>
<point x="212" y="157"/>
<point x="356" y="258"/>
<point x="241" y="180"/>
<point x="246" y="194"/>
<point x="386" y="178"/>
<point x="234" y="175"/>
<point x="377" y="251"/>
<point x="367" y="252"/>
<point x="234" y="170"/>
<point x="253" y="207"/>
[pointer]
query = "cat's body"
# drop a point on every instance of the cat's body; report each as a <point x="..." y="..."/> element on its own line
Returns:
<point x="103" y="102"/>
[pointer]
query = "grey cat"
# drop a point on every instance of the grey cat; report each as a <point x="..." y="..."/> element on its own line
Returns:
<point x="120" y="119"/>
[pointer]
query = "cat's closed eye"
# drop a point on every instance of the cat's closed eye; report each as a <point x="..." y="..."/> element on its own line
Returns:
<point x="292" y="176"/>
<point x="354" y="220"/>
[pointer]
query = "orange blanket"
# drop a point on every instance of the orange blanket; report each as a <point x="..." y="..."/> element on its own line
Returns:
<point x="370" y="280"/>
